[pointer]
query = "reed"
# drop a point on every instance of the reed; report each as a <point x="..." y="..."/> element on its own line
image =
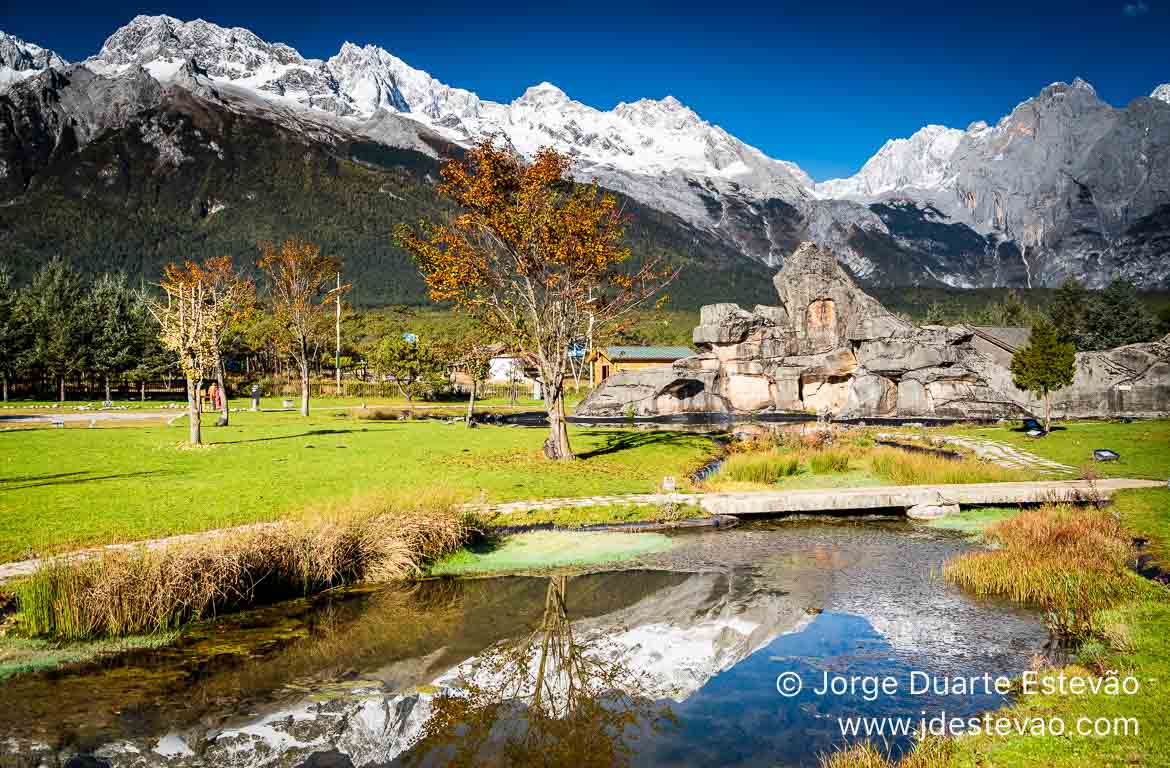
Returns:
<point x="902" y="467"/>
<point x="1072" y="562"/>
<point x="828" y="461"/>
<point x="767" y="467"/>
<point x="144" y="591"/>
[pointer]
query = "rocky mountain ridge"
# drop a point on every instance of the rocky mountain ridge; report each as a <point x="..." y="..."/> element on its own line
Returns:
<point x="1064" y="185"/>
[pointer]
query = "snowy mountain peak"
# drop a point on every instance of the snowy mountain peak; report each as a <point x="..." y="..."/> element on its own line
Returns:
<point x="918" y="162"/>
<point x="20" y="59"/>
<point x="543" y="94"/>
<point x="1162" y="93"/>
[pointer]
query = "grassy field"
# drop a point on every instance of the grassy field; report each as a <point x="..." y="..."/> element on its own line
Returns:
<point x="1144" y="446"/>
<point x="61" y="489"/>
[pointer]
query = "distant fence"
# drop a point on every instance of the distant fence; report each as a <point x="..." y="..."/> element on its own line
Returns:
<point x="93" y="388"/>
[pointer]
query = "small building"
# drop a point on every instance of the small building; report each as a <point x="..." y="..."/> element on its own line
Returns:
<point x="607" y="361"/>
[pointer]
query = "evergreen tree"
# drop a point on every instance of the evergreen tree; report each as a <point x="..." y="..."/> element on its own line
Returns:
<point x="413" y="364"/>
<point x="1164" y="321"/>
<point x="1068" y="309"/>
<point x="115" y="340"/>
<point x="1044" y="366"/>
<point x="54" y="311"/>
<point x="1117" y="317"/>
<point x="13" y="339"/>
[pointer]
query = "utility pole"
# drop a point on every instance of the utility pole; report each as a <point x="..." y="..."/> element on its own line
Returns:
<point x="337" y="350"/>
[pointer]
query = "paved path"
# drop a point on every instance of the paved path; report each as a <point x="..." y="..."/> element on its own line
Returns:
<point x="989" y="450"/>
<point x="748" y="503"/>
<point x="846" y="499"/>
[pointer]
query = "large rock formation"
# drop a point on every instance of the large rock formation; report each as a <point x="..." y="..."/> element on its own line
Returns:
<point x="832" y="348"/>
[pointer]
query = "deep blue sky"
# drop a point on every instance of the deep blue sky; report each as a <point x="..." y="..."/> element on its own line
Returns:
<point x="824" y="88"/>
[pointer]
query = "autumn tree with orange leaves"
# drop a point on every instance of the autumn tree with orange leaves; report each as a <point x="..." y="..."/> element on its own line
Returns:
<point x="535" y="256"/>
<point x="300" y="281"/>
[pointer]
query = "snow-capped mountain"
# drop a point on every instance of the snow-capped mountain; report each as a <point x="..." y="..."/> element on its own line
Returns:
<point x="1080" y="187"/>
<point x="989" y="205"/>
<point x="20" y="59"/>
<point x="917" y="162"/>
<point x="647" y="137"/>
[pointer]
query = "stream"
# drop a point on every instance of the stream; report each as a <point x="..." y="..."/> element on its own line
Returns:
<point x="674" y="659"/>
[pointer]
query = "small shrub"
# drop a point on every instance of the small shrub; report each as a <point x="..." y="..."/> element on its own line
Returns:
<point x="1093" y="655"/>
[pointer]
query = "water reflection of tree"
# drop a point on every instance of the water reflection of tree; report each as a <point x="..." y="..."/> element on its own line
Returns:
<point x="560" y="696"/>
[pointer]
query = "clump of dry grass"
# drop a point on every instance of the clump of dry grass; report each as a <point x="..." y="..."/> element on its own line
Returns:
<point x="1070" y="561"/>
<point x="154" y="590"/>
<point x="903" y="467"/>
<point x="928" y="752"/>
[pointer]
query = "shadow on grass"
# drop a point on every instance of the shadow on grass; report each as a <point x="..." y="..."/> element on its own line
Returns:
<point x="310" y="433"/>
<point x="616" y="442"/>
<point x="69" y="478"/>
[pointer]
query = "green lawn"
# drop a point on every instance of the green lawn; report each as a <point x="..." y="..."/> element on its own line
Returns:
<point x="1144" y="446"/>
<point x="61" y="489"/>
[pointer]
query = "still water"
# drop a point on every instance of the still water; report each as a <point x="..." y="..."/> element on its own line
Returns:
<point x="677" y="659"/>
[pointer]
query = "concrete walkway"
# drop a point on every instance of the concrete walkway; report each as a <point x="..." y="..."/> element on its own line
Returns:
<point x="746" y="504"/>
<point x="830" y="500"/>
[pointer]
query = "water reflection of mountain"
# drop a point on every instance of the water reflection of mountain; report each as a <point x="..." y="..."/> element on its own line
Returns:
<point x="702" y="631"/>
<point x="336" y="681"/>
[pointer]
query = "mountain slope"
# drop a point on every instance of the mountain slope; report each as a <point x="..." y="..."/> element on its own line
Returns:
<point x="20" y="59"/>
<point x="182" y="176"/>
<point x="1081" y="188"/>
<point x="1064" y="185"/>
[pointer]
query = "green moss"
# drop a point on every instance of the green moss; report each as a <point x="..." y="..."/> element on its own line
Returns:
<point x="545" y="550"/>
<point x="21" y="654"/>
<point x="973" y="521"/>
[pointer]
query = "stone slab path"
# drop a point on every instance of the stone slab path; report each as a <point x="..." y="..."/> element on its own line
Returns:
<point x="743" y="504"/>
<point x="989" y="450"/>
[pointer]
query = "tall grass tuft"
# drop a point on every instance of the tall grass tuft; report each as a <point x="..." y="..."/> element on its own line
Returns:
<point x="928" y="752"/>
<point x="767" y="467"/>
<point x="826" y="462"/>
<point x="1071" y="562"/>
<point x="906" y="468"/>
<point x="155" y="590"/>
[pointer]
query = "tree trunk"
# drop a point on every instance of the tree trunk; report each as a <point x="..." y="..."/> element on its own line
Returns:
<point x="108" y="398"/>
<point x="219" y="377"/>
<point x="556" y="447"/>
<point x="471" y="404"/>
<point x="142" y="391"/>
<point x="61" y="394"/>
<point x="1047" y="412"/>
<point x="6" y="389"/>
<point x="305" y="385"/>
<point x="193" y="410"/>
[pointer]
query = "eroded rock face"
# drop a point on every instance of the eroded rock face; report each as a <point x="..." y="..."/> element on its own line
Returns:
<point x="832" y="348"/>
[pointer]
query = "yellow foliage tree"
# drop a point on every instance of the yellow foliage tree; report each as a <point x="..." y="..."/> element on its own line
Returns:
<point x="299" y="281"/>
<point x="536" y="256"/>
